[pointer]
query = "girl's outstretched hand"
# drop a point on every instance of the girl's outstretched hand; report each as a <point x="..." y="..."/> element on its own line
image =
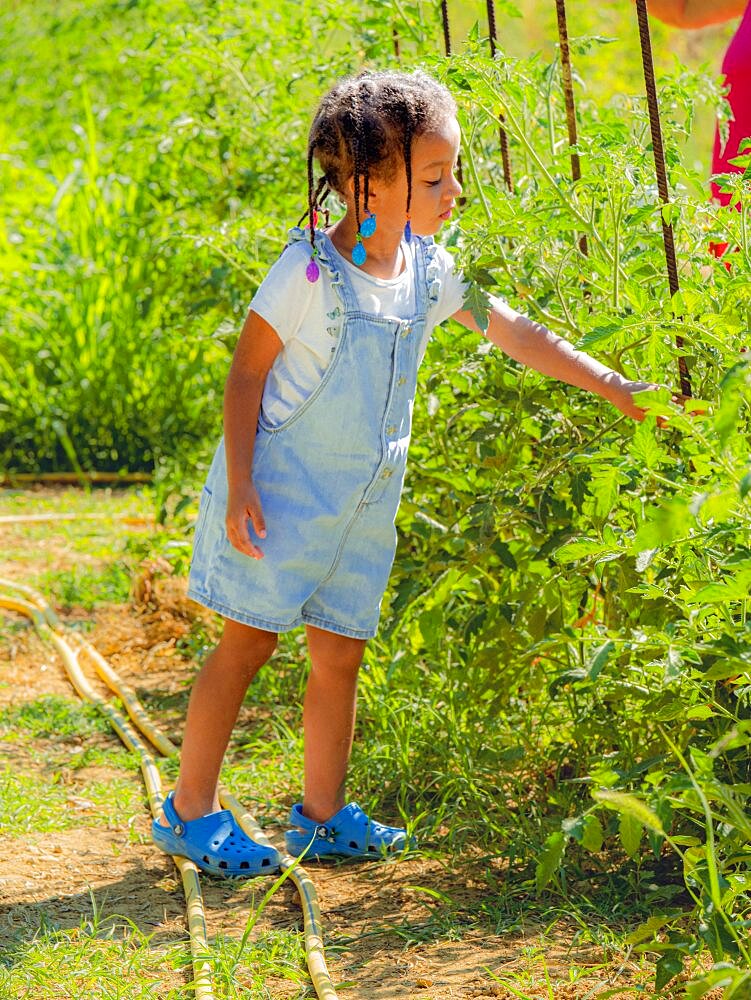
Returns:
<point x="625" y="402"/>
<point x="242" y="503"/>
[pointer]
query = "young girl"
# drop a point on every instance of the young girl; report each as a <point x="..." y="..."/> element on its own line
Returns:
<point x="296" y="520"/>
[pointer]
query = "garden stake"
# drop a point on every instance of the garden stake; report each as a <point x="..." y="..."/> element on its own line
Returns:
<point x="505" y="157"/>
<point x="662" y="178"/>
<point x="447" y="45"/>
<point x="568" y="93"/>
<point x="50" y="627"/>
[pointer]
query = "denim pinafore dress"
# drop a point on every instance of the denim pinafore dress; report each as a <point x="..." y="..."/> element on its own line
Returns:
<point x="329" y="477"/>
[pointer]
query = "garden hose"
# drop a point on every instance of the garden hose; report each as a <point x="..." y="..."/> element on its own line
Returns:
<point x="127" y="695"/>
<point x="54" y="516"/>
<point x="50" y="627"/>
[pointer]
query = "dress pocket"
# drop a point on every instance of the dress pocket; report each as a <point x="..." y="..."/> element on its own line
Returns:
<point x="333" y="364"/>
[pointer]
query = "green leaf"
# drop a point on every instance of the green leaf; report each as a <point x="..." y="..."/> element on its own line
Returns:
<point x="593" y="834"/>
<point x="597" y="334"/>
<point x="599" y="659"/>
<point x="719" y="593"/>
<point x="604" y="487"/>
<point x="504" y="553"/>
<point x="644" y="446"/>
<point x="550" y="859"/>
<point x="664" y="525"/>
<point x="625" y="803"/>
<point x="670" y="965"/>
<point x="477" y="300"/>
<point x="584" y="549"/>
<point x="671" y="213"/>
<point x="700" y="712"/>
<point x="647" y="929"/>
<point x="630" y="831"/>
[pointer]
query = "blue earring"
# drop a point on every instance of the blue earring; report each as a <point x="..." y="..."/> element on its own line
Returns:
<point x="408" y="230"/>
<point x="368" y="225"/>
<point x="358" y="251"/>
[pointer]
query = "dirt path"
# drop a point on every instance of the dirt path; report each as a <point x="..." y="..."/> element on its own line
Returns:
<point x="385" y="934"/>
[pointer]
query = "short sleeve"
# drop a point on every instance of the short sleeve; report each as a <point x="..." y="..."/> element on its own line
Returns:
<point x="285" y="294"/>
<point x="452" y="286"/>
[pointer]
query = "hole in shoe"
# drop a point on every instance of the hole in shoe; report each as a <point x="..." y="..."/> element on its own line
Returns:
<point x="244" y="864"/>
<point x="372" y="848"/>
<point x="223" y="864"/>
<point x="265" y="862"/>
<point x="353" y="843"/>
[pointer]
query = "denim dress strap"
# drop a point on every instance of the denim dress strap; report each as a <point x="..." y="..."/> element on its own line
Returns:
<point x="431" y="275"/>
<point x="427" y="275"/>
<point x="340" y="280"/>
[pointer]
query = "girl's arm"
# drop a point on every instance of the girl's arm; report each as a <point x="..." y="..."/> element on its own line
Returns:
<point x="695" y="13"/>
<point x="537" y="347"/>
<point x="254" y="355"/>
<point x="255" y="351"/>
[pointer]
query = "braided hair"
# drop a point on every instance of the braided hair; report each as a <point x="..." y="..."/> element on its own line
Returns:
<point x="365" y="126"/>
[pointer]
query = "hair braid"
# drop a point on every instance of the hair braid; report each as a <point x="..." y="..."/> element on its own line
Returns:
<point x="311" y="197"/>
<point x="367" y="181"/>
<point x="319" y="196"/>
<point x="407" y="148"/>
<point x="357" y="152"/>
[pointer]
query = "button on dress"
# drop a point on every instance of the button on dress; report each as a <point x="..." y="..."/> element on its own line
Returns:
<point x="329" y="477"/>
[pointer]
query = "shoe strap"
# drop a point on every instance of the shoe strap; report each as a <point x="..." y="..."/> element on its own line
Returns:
<point x="178" y="827"/>
<point x="327" y="831"/>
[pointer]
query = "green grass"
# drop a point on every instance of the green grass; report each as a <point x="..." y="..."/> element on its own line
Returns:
<point x="52" y="716"/>
<point x="108" y="957"/>
<point x="105" y="957"/>
<point x="35" y="802"/>
<point x="88" y="589"/>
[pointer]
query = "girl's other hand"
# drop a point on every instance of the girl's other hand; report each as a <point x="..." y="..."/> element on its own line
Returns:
<point x="243" y="503"/>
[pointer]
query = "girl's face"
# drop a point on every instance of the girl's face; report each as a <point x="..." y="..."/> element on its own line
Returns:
<point x="434" y="186"/>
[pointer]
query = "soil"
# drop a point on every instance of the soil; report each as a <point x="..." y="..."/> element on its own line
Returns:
<point x="385" y="937"/>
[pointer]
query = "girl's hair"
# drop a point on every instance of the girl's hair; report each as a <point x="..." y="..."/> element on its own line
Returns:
<point x="365" y="126"/>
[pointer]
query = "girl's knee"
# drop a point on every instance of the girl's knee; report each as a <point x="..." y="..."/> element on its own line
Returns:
<point x="329" y="650"/>
<point x="247" y="642"/>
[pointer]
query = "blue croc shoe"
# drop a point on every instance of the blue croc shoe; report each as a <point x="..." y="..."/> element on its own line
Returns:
<point x="215" y="843"/>
<point x="349" y="833"/>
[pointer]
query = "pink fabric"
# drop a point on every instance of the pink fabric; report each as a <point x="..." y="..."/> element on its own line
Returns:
<point x="737" y="69"/>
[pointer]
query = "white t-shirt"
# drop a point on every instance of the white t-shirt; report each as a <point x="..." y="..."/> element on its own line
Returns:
<point x="307" y="316"/>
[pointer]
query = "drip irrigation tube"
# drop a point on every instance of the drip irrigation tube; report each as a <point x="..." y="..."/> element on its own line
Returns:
<point x="70" y="644"/>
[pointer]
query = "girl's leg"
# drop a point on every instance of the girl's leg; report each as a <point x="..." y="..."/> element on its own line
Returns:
<point x="215" y="701"/>
<point x="329" y="719"/>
